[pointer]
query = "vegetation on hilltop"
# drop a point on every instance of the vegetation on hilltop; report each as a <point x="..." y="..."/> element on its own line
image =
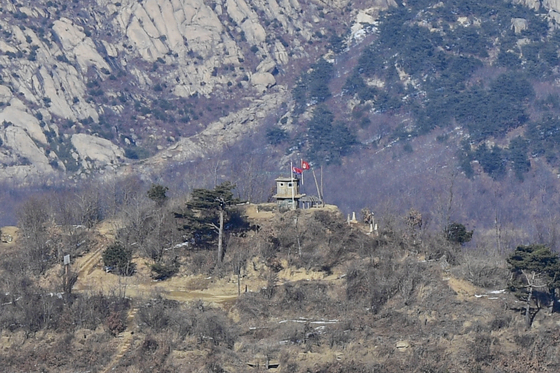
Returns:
<point x="323" y="296"/>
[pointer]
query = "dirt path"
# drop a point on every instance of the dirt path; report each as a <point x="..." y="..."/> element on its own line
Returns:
<point x="127" y="338"/>
<point x="87" y="266"/>
<point x="93" y="278"/>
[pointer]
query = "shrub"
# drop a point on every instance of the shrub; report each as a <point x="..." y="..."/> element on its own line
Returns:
<point x="457" y="233"/>
<point x="136" y="153"/>
<point x="118" y="258"/>
<point x="115" y="323"/>
<point x="162" y="271"/>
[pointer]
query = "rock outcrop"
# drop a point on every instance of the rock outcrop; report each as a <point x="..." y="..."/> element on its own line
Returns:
<point x="95" y="151"/>
<point x="83" y="80"/>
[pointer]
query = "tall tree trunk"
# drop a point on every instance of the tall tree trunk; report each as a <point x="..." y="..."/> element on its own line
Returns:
<point x="528" y="308"/>
<point x="221" y="237"/>
<point x="239" y="282"/>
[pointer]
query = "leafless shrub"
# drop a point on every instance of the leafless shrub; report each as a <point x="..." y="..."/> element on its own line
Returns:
<point x="91" y="311"/>
<point x="151" y="355"/>
<point x="251" y="306"/>
<point x="269" y="246"/>
<point x="116" y="322"/>
<point x="375" y="285"/>
<point x="214" y="328"/>
<point x="436" y="247"/>
<point x="500" y="322"/>
<point x="338" y="336"/>
<point x="157" y="313"/>
<point x="482" y="348"/>
<point x="293" y="332"/>
<point x="270" y="289"/>
<point x="149" y="345"/>
<point x="482" y="270"/>
<point x="293" y="295"/>
<point x="287" y="363"/>
<point x="525" y="341"/>
<point x="202" y="261"/>
<point x="409" y="277"/>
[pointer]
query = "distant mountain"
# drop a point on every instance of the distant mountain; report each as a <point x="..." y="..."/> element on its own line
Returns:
<point x="404" y="104"/>
<point x="488" y="69"/>
<point x="95" y="84"/>
<point x="452" y="107"/>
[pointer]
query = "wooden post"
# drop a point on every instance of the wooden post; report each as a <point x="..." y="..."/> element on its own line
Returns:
<point x="239" y="281"/>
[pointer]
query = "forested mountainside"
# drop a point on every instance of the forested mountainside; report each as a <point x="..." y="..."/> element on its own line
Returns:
<point x="450" y="107"/>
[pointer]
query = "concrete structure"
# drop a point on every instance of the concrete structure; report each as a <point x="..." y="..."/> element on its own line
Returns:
<point x="308" y="202"/>
<point x="287" y="193"/>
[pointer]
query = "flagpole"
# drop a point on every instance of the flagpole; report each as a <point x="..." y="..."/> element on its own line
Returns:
<point x="322" y="197"/>
<point x="292" y="181"/>
<point x="301" y="163"/>
<point x="317" y="185"/>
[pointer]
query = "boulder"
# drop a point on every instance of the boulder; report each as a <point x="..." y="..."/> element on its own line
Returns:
<point x="263" y="79"/>
<point x="519" y="24"/>
<point x="101" y="151"/>
<point x="17" y="115"/>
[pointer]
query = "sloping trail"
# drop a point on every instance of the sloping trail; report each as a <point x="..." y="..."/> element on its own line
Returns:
<point x="93" y="278"/>
<point x="127" y="338"/>
<point x="93" y="258"/>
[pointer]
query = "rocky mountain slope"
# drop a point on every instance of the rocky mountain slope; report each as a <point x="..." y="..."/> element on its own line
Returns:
<point x="113" y="87"/>
<point x="93" y="84"/>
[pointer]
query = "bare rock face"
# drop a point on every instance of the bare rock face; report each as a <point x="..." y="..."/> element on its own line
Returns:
<point x="95" y="151"/>
<point x="552" y="6"/>
<point x="224" y="132"/>
<point x="75" y="44"/>
<point x="533" y="4"/>
<point x="519" y="24"/>
<point x="83" y="81"/>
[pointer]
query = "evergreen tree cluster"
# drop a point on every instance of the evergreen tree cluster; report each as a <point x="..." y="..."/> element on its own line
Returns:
<point x="438" y="47"/>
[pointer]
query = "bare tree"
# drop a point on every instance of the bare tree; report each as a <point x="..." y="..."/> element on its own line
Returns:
<point x="35" y="223"/>
<point x="88" y="204"/>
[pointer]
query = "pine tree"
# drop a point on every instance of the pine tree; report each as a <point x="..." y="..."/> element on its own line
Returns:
<point x="535" y="276"/>
<point x="206" y="212"/>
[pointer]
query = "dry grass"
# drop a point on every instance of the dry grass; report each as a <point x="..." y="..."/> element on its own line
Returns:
<point x="377" y="306"/>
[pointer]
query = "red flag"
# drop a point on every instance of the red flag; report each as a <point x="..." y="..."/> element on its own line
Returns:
<point x="297" y="170"/>
<point x="305" y="165"/>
